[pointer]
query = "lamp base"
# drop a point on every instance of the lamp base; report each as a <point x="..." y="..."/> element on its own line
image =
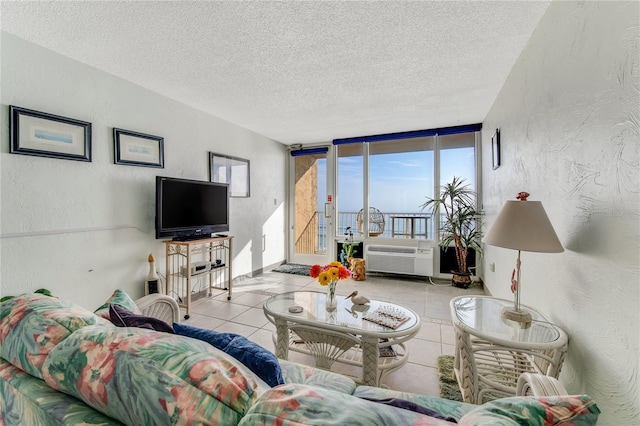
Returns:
<point x="519" y="316"/>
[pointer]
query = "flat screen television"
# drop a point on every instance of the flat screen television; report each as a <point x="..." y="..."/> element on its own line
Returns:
<point x="190" y="209"/>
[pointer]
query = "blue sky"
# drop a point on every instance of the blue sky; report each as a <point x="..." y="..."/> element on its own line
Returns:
<point x="399" y="183"/>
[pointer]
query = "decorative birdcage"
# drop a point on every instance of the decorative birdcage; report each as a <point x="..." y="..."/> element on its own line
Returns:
<point x="376" y="222"/>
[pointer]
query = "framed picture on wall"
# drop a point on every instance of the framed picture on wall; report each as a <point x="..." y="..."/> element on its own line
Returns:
<point x="138" y="149"/>
<point x="231" y="170"/>
<point x="47" y="135"/>
<point x="495" y="149"/>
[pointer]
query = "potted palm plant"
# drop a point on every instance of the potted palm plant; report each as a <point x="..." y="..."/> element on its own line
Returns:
<point x="459" y="226"/>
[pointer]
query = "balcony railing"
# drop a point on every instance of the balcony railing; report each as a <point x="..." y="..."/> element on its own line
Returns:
<point x="397" y="225"/>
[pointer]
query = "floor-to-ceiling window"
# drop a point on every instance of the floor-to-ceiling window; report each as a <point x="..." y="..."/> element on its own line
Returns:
<point x="374" y="187"/>
<point x="457" y="158"/>
<point x="382" y="181"/>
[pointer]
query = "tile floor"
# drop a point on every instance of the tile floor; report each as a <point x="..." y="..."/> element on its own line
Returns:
<point x="243" y="315"/>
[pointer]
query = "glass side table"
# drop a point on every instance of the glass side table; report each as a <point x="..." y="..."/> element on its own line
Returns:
<point x="491" y="353"/>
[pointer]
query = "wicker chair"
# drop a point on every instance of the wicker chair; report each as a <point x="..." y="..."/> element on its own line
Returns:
<point x="376" y="222"/>
<point x="159" y="306"/>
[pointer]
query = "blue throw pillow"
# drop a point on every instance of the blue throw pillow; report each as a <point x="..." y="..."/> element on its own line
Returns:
<point x="256" y="358"/>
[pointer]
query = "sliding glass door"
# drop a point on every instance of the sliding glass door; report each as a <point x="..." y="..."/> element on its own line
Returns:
<point x="311" y="213"/>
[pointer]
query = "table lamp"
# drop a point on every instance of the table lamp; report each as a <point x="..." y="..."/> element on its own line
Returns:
<point x="524" y="226"/>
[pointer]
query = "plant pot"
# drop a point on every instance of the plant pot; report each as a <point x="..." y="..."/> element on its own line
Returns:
<point x="461" y="279"/>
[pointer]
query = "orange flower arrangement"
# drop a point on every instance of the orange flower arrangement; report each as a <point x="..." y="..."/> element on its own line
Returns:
<point x="327" y="274"/>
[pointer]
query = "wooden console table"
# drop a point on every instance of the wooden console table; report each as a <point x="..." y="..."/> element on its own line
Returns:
<point x="208" y="259"/>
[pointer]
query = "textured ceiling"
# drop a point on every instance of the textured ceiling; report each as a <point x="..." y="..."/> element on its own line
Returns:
<point x="298" y="72"/>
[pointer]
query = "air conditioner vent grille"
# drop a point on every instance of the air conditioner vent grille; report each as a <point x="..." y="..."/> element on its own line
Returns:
<point x="399" y="259"/>
<point x="389" y="249"/>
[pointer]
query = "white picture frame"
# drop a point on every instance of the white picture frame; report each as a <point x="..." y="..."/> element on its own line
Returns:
<point x="233" y="171"/>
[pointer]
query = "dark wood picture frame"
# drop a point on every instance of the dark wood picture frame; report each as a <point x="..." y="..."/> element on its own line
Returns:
<point x="495" y="149"/>
<point x="232" y="170"/>
<point x="137" y="149"/>
<point x="47" y="135"/>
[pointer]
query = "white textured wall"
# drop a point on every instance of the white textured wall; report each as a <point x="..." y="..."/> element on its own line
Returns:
<point x="46" y="201"/>
<point x="569" y="120"/>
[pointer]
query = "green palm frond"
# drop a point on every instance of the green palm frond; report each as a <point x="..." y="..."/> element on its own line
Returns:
<point x="462" y="220"/>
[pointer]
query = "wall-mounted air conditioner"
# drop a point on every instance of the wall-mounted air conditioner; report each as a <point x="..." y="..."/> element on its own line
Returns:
<point x="399" y="259"/>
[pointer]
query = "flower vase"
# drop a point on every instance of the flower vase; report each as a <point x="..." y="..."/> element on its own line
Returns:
<point x="332" y="301"/>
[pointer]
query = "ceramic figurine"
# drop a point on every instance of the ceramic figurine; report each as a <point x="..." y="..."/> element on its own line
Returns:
<point x="357" y="300"/>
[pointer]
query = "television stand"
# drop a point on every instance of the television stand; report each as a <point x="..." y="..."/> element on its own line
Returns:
<point x="208" y="260"/>
<point x="192" y="238"/>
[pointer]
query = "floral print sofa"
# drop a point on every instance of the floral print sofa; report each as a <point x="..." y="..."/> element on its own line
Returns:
<point x="62" y="364"/>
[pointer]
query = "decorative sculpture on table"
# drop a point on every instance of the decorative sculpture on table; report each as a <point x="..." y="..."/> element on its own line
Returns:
<point x="357" y="299"/>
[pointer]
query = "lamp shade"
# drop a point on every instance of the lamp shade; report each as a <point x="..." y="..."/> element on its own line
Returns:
<point x="525" y="226"/>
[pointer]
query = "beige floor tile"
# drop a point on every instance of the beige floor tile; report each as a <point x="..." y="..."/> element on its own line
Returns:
<point x="284" y="288"/>
<point x="250" y="299"/>
<point x="205" y="305"/>
<point x="220" y="294"/>
<point x="203" y="321"/>
<point x="424" y="352"/>
<point x="269" y="327"/>
<point x="448" y="334"/>
<point x="414" y="378"/>
<point x="429" y="331"/>
<point x="254" y="286"/>
<point x="301" y="358"/>
<point x="225" y="311"/>
<point x="448" y="349"/>
<point x="233" y="327"/>
<point x="253" y="317"/>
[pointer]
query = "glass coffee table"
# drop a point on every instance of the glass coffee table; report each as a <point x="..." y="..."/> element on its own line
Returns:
<point x="342" y="335"/>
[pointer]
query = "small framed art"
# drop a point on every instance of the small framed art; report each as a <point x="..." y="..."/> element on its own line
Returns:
<point x="231" y="170"/>
<point x="47" y="135"/>
<point x="138" y="149"/>
<point x="495" y="149"/>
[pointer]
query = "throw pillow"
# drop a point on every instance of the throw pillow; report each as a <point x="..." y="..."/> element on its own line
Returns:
<point x="120" y="298"/>
<point x="256" y="358"/>
<point x="120" y="317"/>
